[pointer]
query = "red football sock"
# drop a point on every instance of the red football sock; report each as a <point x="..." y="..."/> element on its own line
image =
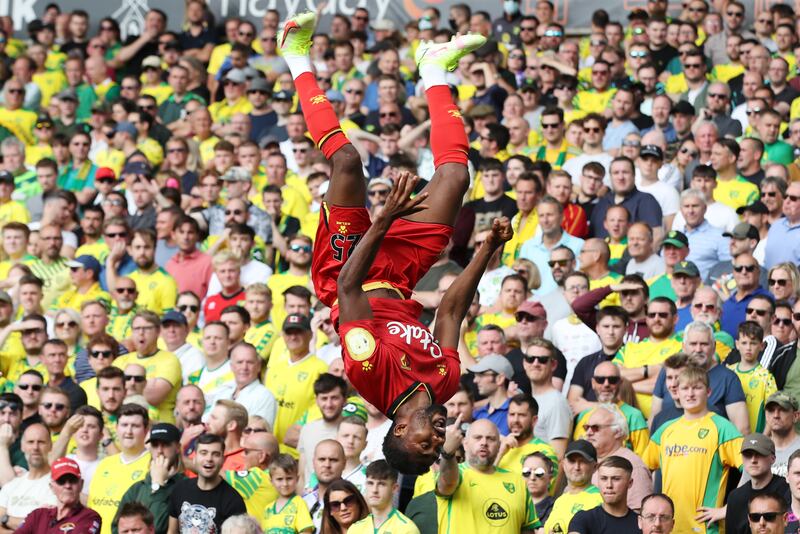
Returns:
<point x="320" y="117"/>
<point x="448" y="139"/>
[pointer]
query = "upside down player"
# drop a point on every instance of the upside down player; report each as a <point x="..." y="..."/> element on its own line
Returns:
<point x="411" y="245"/>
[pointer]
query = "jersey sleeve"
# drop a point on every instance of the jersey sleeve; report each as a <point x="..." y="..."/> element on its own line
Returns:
<point x="303" y="519"/>
<point x="730" y="443"/>
<point x="652" y="454"/>
<point x="170" y="370"/>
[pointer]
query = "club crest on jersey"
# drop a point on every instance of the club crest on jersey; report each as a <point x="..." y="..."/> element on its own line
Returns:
<point x="342" y="226"/>
<point x="366" y="366"/>
<point x="454" y="113"/>
<point x="360" y="344"/>
<point x="318" y="99"/>
<point x="301" y="376"/>
<point x="703" y="432"/>
<point x="510" y="487"/>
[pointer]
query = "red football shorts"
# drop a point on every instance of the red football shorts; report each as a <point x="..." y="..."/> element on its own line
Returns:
<point x="407" y="252"/>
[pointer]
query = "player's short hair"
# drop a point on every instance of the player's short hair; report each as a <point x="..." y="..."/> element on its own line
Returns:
<point x="381" y="470"/>
<point x="751" y="329"/>
<point x="400" y="458"/>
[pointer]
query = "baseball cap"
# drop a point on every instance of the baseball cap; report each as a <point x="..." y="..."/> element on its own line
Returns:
<point x="493" y="362"/>
<point x="676" y="239"/>
<point x="237" y="174"/>
<point x="481" y="110"/>
<point x="259" y="84"/>
<point x="688" y="268"/>
<point x="683" y="108"/>
<point x="758" y="443"/>
<point x="173" y="316"/>
<point x="44" y="118"/>
<point x="153" y="62"/>
<point x="334" y="95"/>
<point x="87" y="262"/>
<point x="355" y="408"/>
<point x="784" y="400"/>
<point x="582" y="448"/>
<point x="756" y="207"/>
<point x="6" y="176"/>
<point x="126" y="127"/>
<point x="296" y="321"/>
<point x="5" y="297"/>
<point x="68" y="94"/>
<point x="267" y="140"/>
<point x="137" y="167"/>
<point x="283" y="95"/>
<point x="652" y="151"/>
<point x="64" y="466"/>
<point x="101" y="106"/>
<point x="743" y="230"/>
<point x="532" y="308"/>
<point x="236" y="76"/>
<point x="165" y="433"/>
<point x="380" y="181"/>
<point x="104" y="172"/>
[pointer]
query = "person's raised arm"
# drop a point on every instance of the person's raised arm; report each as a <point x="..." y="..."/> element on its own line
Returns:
<point x="447" y="483"/>
<point x="458" y="297"/>
<point x="353" y="302"/>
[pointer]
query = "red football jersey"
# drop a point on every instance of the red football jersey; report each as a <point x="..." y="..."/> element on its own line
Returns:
<point x="213" y="306"/>
<point x="392" y="355"/>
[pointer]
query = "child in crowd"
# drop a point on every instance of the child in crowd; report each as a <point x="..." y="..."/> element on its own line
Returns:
<point x="287" y="513"/>
<point x="758" y="383"/>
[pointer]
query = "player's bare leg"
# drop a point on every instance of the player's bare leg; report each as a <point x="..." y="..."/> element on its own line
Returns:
<point x="347" y="186"/>
<point x="449" y="142"/>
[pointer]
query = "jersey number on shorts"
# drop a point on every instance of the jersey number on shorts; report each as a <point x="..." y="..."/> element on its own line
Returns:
<point x="343" y="245"/>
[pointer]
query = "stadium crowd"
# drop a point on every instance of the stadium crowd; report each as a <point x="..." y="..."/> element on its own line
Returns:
<point x="628" y="364"/>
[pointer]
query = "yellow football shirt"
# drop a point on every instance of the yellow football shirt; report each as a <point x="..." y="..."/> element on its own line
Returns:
<point x="278" y="283"/>
<point x="73" y="299"/>
<point x="292" y="517"/>
<point x="292" y="383"/>
<point x="695" y="457"/>
<point x="396" y="523"/>
<point x="512" y="247"/>
<point x="646" y="352"/>
<point x="569" y="504"/>
<point x="13" y="211"/>
<point x="489" y="503"/>
<point x="639" y="434"/>
<point x="758" y="384"/>
<point x="111" y="480"/>
<point x="98" y="250"/>
<point x="512" y="459"/>
<point x="736" y="193"/>
<point x="255" y="487"/>
<point x="262" y="337"/>
<point x="165" y="365"/>
<point x="607" y="280"/>
<point x="158" y="291"/>
<point x="223" y="111"/>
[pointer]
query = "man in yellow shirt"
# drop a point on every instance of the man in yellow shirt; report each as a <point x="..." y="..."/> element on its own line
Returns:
<point x="162" y="368"/>
<point x="85" y="274"/>
<point x="481" y="497"/>
<point x="10" y="210"/>
<point x="579" y="464"/>
<point x="732" y="190"/>
<point x="235" y="100"/>
<point x="118" y="472"/>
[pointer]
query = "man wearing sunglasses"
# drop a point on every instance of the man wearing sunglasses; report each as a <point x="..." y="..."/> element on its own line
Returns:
<point x="29" y="387"/>
<point x="746" y="273"/>
<point x="767" y="514"/>
<point x="758" y="455"/>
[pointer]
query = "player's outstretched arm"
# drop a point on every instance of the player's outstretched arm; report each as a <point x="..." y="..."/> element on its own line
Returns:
<point x="353" y="302"/>
<point x="458" y="297"/>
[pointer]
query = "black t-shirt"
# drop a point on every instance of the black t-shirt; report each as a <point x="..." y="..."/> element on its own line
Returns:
<point x="261" y="125"/>
<point x="663" y="56"/>
<point x="486" y="211"/>
<point x="756" y="177"/>
<point x="736" y="513"/>
<point x="582" y="376"/>
<point x="201" y="511"/>
<point x="598" y="521"/>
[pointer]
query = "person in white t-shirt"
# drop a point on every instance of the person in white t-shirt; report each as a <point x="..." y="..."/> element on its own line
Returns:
<point x="651" y="159"/>
<point x="704" y="178"/>
<point x="644" y="261"/>
<point x="29" y="491"/>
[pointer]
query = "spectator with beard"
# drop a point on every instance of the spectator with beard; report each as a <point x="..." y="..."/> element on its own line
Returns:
<point x="330" y="393"/>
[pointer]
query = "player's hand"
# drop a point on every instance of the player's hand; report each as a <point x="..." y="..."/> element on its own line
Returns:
<point x="399" y="202"/>
<point x="501" y="232"/>
<point x="453" y="437"/>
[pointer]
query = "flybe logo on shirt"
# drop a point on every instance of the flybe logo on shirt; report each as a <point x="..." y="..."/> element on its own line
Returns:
<point x="685" y="450"/>
<point x="420" y="334"/>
